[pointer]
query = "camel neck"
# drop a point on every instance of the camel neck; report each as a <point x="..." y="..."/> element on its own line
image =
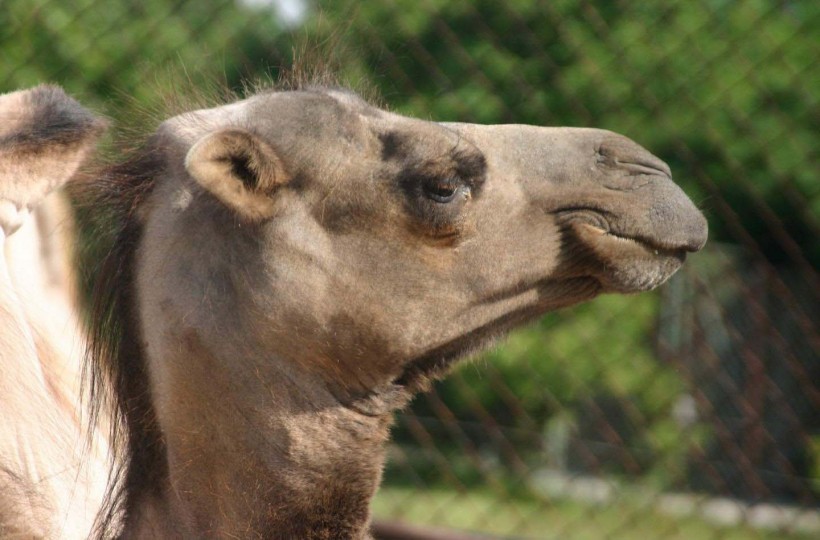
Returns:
<point x="269" y="455"/>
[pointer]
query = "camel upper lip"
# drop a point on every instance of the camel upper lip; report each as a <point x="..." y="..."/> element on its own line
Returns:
<point x="602" y="221"/>
<point x="658" y="247"/>
<point x="645" y="166"/>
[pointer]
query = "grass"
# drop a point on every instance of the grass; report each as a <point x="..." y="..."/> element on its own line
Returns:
<point x="481" y="511"/>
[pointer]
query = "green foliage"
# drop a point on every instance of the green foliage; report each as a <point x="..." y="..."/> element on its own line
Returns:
<point x="122" y="56"/>
<point x="629" y="517"/>
<point x="592" y="365"/>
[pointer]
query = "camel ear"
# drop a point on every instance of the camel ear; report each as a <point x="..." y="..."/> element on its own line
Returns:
<point x="239" y="169"/>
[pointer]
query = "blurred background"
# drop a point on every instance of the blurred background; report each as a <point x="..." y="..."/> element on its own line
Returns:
<point x="690" y="412"/>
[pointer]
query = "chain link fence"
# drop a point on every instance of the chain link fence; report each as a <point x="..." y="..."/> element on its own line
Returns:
<point x="692" y="412"/>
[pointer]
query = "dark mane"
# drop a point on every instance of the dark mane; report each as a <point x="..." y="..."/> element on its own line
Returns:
<point x="115" y="362"/>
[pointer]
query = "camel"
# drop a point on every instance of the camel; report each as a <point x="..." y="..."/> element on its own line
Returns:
<point x="291" y="268"/>
<point x="52" y="478"/>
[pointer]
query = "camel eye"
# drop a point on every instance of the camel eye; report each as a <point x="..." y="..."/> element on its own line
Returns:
<point x="441" y="192"/>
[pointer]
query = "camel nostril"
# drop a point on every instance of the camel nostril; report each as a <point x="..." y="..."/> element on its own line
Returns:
<point x="623" y="154"/>
<point x="653" y="167"/>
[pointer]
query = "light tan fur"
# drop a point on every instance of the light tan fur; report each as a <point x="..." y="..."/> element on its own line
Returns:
<point x="209" y="163"/>
<point x="52" y="476"/>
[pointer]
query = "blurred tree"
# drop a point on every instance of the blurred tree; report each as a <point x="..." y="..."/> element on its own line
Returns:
<point x="121" y="56"/>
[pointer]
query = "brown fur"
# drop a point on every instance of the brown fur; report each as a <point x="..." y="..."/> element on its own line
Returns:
<point x="286" y="271"/>
<point x="303" y="315"/>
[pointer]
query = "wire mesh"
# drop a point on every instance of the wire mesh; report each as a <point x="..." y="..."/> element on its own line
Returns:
<point x="687" y="413"/>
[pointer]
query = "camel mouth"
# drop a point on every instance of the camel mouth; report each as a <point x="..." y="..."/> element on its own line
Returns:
<point x="643" y="244"/>
<point x="595" y="224"/>
<point x="629" y="264"/>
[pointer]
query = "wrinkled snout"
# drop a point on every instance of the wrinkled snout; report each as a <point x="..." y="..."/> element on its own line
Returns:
<point x="619" y="211"/>
<point x="596" y="176"/>
<point x="647" y="205"/>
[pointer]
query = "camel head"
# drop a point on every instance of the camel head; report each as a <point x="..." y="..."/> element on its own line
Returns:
<point x="44" y="136"/>
<point x="294" y="266"/>
<point x="368" y="250"/>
